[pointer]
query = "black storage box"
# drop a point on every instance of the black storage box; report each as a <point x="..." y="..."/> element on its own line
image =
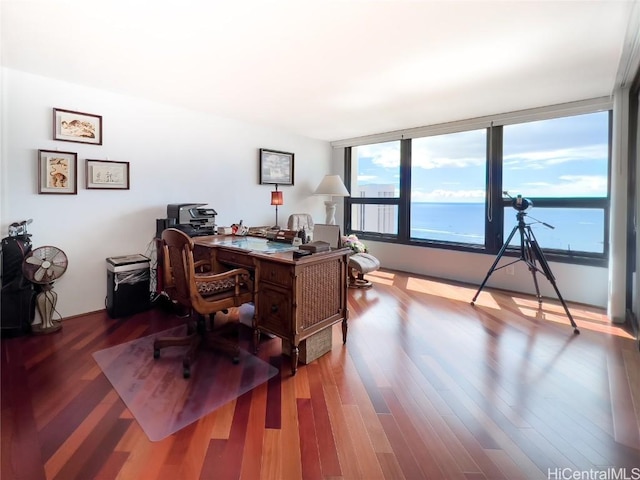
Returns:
<point x="128" y="282"/>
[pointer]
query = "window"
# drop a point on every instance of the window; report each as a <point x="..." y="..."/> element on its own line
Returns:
<point x="448" y="187"/>
<point x="375" y="187"/>
<point x="562" y="165"/>
<point x="444" y="189"/>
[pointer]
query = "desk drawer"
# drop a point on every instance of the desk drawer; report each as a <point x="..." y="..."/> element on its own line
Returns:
<point x="235" y="258"/>
<point x="275" y="311"/>
<point x="281" y="275"/>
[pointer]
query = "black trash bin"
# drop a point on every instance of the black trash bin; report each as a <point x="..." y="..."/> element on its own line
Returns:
<point x="128" y="290"/>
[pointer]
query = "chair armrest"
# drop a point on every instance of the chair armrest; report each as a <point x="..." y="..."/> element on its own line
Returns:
<point x="213" y="277"/>
<point x="200" y="265"/>
<point x="228" y="280"/>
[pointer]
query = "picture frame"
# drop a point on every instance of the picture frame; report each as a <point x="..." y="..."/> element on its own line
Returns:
<point x="57" y="172"/>
<point x="107" y="175"/>
<point x="276" y="168"/>
<point x="79" y="127"/>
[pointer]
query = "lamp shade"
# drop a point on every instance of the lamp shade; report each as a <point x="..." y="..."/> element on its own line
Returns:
<point x="332" y="185"/>
<point x="276" y="198"/>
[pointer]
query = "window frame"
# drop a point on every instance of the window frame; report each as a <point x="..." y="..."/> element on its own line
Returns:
<point x="494" y="229"/>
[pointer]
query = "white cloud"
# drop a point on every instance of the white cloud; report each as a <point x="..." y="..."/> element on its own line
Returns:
<point x="539" y="159"/>
<point x="442" y="195"/>
<point x="386" y="155"/>
<point x="572" y="186"/>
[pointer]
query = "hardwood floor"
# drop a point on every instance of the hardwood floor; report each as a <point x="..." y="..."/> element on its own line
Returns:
<point x="427" y="386"/>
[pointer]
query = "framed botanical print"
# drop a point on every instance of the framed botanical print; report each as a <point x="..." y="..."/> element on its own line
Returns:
<point x="107" y="175"/>
<point x="57" y="172"/>
<point x="276" y="168"/>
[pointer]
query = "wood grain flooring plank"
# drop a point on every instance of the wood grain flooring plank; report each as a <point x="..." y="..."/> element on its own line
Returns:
<point x="625" y="424"/>
<point x="376" y="398"/>
<point x="291" y="463"/>
<point x="254" y="438"/>
<point x="140" y="451"/>
<point x="273" y="453"/>
<point x="488" y="468"/>
<point x="66" y="451"/>
<point x="228" y="463"/>
<point x="509" y="468"/>
<point x="500" y="439"/>
<point x="302" y="384"/>
<point x="112" y="466"/>
<point x="350" y="386"/>
<point x="391" y="469"/>
<point x="58" y="429"/>
<point x="347" y="453"/>
<point x="20" y="443"/>
<point x="223" y="420"/>
<point x="214" y="460"/>
<point x="90" y="457"/>
<point x="421" y="438"/>
<point x="403" y="453"/>
<point x="274" y="396"/>
<point x="366" y="455"/>
<point x="309" y="453"/>
<point x="326" y="442"/>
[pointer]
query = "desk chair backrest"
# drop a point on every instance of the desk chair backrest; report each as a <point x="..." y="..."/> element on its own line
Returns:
<point x="327" y="233"/>
<point x="178" y="252"/>
<point x="299" y="221"/>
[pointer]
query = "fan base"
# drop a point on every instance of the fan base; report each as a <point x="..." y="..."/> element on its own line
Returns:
<point x="38" y="329"/>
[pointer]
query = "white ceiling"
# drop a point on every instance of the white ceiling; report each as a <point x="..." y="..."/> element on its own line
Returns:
<point x="327" y="69"/>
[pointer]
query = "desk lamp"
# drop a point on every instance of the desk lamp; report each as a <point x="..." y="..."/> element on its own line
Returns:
<point x="276" y="199"/>
<point x="331" y="185"/>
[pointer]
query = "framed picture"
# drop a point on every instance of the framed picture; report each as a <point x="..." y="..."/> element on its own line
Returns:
<point x="57" y="172"/>
<point x="70" y="126"/>
<point x="107" y="175"/>
<point x="276" y="167"/>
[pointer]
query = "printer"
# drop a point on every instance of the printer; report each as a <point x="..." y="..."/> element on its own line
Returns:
<point x="194" y="219"/>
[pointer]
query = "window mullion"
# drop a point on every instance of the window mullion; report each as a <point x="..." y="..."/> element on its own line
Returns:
<point x="404" y="207"/>
<point x="494" y="211"/>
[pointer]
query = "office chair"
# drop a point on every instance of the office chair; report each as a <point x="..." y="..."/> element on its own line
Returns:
<point x="300" y="221"/>
<point x="193" y="285"/>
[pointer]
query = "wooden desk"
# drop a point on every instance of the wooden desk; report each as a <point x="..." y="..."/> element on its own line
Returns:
<point x="293" y="299"/>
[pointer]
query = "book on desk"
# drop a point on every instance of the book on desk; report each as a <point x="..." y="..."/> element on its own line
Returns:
<point x="315" y="247"/>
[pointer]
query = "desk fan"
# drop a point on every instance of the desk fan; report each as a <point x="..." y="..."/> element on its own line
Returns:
<point x="42" y="266"/>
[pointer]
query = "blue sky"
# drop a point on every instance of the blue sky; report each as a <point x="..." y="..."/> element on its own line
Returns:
<point x="564" y="157"/>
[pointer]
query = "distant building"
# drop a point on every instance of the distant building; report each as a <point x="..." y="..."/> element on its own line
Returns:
<point x="374" y="218"/>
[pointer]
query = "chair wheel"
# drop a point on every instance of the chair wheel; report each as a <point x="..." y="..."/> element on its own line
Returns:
<point x="186" y="372"/>
<point x="235" y="360"/>
<point x="156" y="353"/>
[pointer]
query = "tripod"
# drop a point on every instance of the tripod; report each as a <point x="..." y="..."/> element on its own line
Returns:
<point x="530" y="253"/>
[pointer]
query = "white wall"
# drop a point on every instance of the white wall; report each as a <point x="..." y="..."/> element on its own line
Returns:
<point x="576" y="283"/>
<point x="175" y="155"/>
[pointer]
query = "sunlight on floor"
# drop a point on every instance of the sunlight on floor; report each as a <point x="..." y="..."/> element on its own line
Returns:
<point x="587" y="318"/>
<point x="451" y="292"/>
<point x="383" y="278"/>
<point x="584" y="318"/>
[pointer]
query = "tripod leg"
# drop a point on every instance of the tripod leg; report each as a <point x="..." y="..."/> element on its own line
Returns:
<point x="547" y="272"/>
<point x="529" y="256"/>
<point x="500" y="253"/>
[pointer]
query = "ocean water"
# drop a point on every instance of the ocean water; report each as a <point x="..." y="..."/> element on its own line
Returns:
<point x="574" y="229"/>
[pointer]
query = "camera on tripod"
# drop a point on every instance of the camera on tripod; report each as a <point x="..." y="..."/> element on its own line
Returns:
<point x="519" y="202"/>
<point x="530" y="253"/>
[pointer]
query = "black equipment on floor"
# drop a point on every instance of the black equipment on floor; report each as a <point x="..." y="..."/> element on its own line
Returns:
<point x="531" y="254"/>
<point x="128" y="279"/>
<point x="17" y="305"/>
